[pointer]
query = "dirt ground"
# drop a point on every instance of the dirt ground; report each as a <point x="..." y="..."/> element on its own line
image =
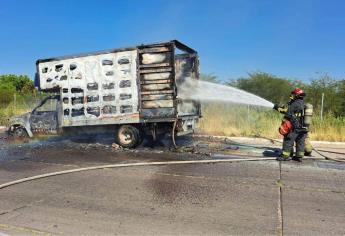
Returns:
<point x="262" y="197"/>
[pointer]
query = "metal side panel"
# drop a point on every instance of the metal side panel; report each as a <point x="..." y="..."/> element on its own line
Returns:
<point x="157" y="113"/>
<point x="95" y="89"/>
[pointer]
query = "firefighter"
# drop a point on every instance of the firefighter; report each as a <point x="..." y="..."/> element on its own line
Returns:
<point x="292" y="127"/>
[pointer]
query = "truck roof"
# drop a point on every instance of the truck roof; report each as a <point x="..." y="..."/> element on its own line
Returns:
<point x="175" y="42"/>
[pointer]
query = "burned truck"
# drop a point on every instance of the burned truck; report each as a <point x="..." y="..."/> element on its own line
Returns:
<point x="133" y="91"/>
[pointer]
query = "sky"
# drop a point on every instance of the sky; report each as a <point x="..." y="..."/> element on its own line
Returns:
<point x="292" y="39"/>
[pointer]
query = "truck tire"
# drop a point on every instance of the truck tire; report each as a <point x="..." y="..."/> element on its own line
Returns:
<point x="19" y="132"/>
<point x="128" y="136"/>
<point x="140" y="134"/>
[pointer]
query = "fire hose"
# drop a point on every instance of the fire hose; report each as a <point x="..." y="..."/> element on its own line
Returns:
<point x="316" y="150"/>
<point x="27" y="179"/>
<point x="161" y="163"/>
<point x="279" y="141"/>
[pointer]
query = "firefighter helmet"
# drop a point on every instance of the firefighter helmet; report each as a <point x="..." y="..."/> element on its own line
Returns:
<point x="297" y="92"/>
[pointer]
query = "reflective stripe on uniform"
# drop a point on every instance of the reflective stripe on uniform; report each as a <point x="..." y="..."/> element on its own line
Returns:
<point x="282" y="109"/>
<point x="286" y="154"/>
<point x="300" y="154"/>
<point x="307" y="146"/>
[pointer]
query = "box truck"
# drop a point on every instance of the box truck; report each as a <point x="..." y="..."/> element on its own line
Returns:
<point x="133" y="91"/>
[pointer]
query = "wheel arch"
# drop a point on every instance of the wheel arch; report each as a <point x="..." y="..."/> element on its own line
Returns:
<point x="21" y="124"/>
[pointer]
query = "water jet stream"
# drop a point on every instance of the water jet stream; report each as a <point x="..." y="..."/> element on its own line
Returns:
<point x="207" y="91"/>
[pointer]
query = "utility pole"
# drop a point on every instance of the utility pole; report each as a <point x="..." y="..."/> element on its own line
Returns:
<point x="14" y="102"/>
<point x="321" y="113"/>
<point x="248" y="113"/>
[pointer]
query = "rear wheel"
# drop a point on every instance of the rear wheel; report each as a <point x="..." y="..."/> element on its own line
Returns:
<point x="128" y="136"/>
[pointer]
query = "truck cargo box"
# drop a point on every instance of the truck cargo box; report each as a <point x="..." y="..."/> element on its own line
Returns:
<point x="139" y="84"/>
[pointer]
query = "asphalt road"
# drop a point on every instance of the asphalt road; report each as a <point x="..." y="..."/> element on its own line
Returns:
<point x="244" y="198"/>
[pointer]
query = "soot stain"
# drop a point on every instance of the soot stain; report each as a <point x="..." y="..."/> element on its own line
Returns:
<point x="177" y="190"/>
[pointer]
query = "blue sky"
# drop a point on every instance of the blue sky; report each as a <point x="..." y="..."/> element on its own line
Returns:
<point x="294" y="39"/>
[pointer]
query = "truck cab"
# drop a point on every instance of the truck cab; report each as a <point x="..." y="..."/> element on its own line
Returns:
<point x="42" y="119"/>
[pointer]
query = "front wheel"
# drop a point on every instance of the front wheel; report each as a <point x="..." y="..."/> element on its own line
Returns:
<point x="19" y="132"/>
<point x="128" y="136"/>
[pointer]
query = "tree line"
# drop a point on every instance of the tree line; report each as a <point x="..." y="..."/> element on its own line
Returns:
<point x="21" y="85"/>
<point x="265" y="85"/>
<point x="277" y="89"/>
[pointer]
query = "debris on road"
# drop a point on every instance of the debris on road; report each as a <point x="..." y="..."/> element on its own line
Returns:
<point x="116" y="146"/>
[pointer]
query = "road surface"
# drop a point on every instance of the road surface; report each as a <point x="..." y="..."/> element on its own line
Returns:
<point x="245" y="198"/>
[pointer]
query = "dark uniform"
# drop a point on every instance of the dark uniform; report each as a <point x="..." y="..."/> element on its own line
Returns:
<point x="294" y="112"/>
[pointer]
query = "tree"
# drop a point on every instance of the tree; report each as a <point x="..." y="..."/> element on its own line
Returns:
<point x="333" y="90"/>
<point x="6" y="93"/>
<point x="10" y="84"/>
<point x="270" y="87"/>
<point x="278" y="90"/>
<point x="22" y="83"/>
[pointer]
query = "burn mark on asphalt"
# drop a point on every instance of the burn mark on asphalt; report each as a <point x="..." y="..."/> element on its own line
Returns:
<point x="173" y="191"/>
<point x="173" y="186"/>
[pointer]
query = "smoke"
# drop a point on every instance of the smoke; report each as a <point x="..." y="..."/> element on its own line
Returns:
<point x="207" y="91"/>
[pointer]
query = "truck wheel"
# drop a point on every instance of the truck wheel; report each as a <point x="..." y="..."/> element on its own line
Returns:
<point x="140" y="134"/>
<point x="128" y="136"/>
<point x="19" y="132"/>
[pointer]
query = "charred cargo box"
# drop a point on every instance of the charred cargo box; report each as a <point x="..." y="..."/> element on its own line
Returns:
<point x="138" y="87"/>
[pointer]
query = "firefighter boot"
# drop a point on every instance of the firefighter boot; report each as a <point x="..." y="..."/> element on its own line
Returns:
<point x="285" y="156"/>
<point x="298" y="156"/>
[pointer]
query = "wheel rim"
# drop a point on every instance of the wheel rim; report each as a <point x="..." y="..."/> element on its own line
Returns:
<point x="125" y="137"/>
<point x="19" y="132"/>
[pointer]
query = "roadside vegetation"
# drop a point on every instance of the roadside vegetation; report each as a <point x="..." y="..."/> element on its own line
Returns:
<point x="240" y="120"/>
<point x="18" y="95"/>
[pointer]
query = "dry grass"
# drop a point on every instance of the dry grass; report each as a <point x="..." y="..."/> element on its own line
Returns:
<point x="234" y="120"/>
<point x="9" y="111"/>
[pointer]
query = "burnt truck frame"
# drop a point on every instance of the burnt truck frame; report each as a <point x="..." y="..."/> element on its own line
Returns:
<point x="134" y="91"/>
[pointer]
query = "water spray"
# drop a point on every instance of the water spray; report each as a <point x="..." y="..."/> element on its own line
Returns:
<point x="207" y="91"/>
